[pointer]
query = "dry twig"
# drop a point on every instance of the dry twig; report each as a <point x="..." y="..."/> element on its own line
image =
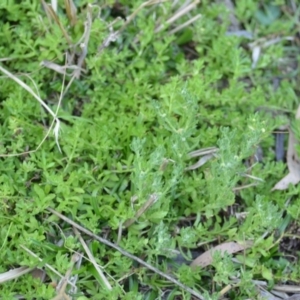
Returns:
<point x="127" y="254"/>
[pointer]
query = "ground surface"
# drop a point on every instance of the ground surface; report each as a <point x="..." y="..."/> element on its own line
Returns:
<point x="149" y="150"/>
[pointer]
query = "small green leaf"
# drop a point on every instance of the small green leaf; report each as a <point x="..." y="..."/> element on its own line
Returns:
<point x="267" y="273"/>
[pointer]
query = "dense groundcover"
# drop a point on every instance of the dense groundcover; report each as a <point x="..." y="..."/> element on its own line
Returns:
<point x="162" y="130"/>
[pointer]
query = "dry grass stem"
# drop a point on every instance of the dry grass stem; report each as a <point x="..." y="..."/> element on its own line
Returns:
<point x="247" y="186"/>
<point x="152" y="199"/>
<point x="186" y="3"/>
<point x="115" y="34"/>
<point x="14" y="273"/>
<point x="52" y="15"/>
<point x="182" y="11"/>
<point x="28" y="89"/>
<point x="61" y="287"/>
<point x="54" y="5"/>
<point x="252" y="177"/>
<point x="206" y="153"/>
<point x="127" y="254"/>
<point x="92" y="259"/>
<point x="186" y="24"/>
<point x="200" y="162"/>
<point x="54" y="115"/>
<point x="203" y="151"/>
<point x="84" y="44"/>
<point x="46" y="265"/>
<point x="60" y="69"/>
<point x="71" y="11"/>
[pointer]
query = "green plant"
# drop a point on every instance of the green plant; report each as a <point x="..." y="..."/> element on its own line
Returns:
<point x="146" y="96"/>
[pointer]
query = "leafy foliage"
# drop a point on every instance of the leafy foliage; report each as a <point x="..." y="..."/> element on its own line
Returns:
<point x="128" y="125"/>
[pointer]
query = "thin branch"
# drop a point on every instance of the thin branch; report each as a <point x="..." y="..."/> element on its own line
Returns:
<point x="125" y="253"/>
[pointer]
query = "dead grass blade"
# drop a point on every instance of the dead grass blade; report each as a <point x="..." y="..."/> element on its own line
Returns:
<point x="225" y="290"/>
<point x="92" y="259"/>
<point x="287" y="288"/>
<point x="115" y="34"/>
<point x="206" y="258"/>
<point x="152" y="199"/>
<point x="6" y="58"/>
<point x="127" y="254"/>
<point x="60" y="69"/>
<point x="206" y="153"/>
<point x="84" y="45"/>
<point x="61" y="287"/>
<point x="262" y="43"/>
<point x="242" y="187"/>
<point x="55" y="120"/>
<point x="71" y="11"/>
<point x="52" y="15"/>
<point x="265" y="294"/>
<point x="54" y="5"/>
<point x="186" y="24"/>
<point x="142" y="6"/>
<point x="182" y="11"/>
<point x="293" y="162"/>
<point x="14" y="273"/>
<point x="46" y="265"/>
<point x="200" y="162"/>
